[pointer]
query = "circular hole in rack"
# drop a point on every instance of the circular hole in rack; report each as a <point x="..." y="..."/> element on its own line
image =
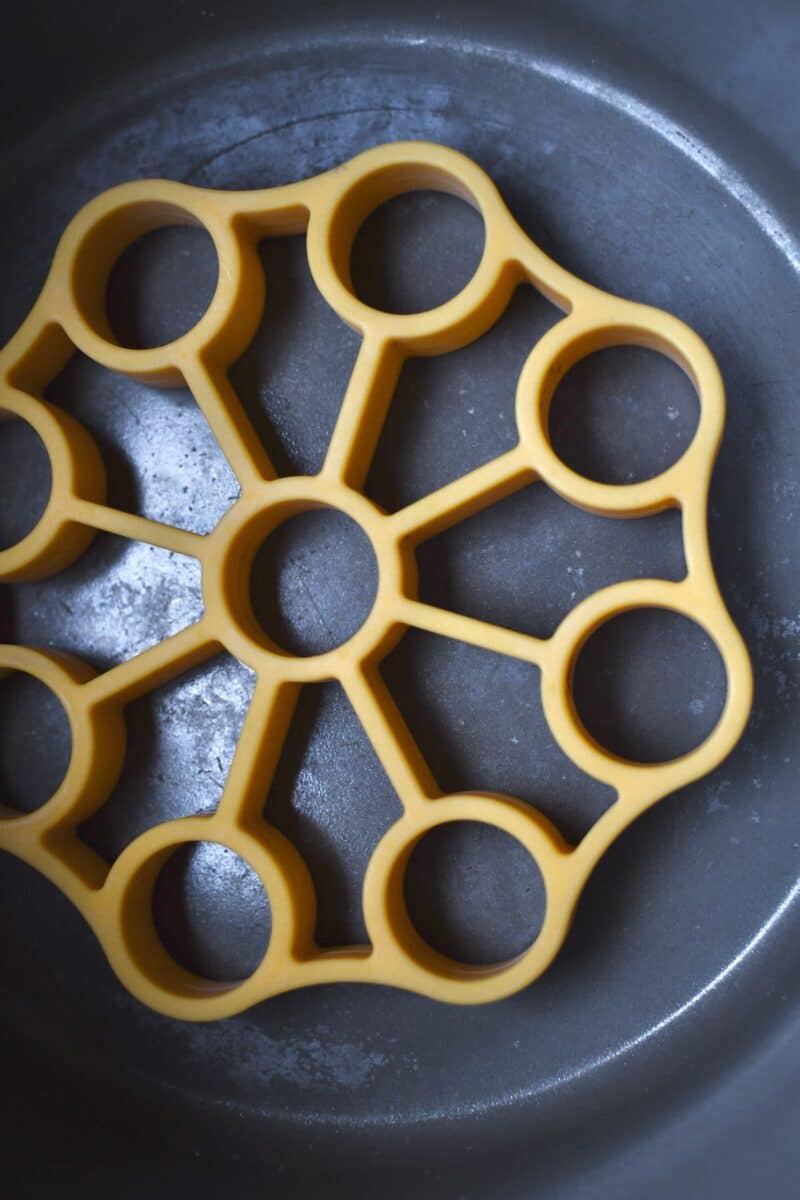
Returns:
<point x="649" y="685"/>
<point x="35" y="742"/>
<point x="211" y="912"/>
<point x="25" y="479"/>
<point x="416" y="251"/>
<point x="474" y="893"/>
<point x="623" y="414"/>
<point x="161" y="286"/>
<point x="313" y="581"/>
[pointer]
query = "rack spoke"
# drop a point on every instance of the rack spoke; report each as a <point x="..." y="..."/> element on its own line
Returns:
<point x="363" y="412"/>
<point x="464" y="497"/>
<point x="136" y="528"/>
<point x="148" y="670"/>
<point x="229" y="423"/>
<point x="482" y="634"/>
<point x="391" y="739"/>
<point x="258" y="751"/>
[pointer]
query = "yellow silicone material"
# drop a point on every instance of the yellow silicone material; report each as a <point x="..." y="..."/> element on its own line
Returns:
<point x="71" y="312"/>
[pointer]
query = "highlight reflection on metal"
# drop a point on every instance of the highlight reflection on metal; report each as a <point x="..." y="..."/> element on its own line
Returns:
<point x="70" y="313"/>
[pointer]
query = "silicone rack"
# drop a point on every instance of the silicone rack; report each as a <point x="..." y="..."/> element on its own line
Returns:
<point x="70" y="313"/>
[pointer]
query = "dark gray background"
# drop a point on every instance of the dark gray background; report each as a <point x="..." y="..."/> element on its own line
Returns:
<point x="656" y="153"/>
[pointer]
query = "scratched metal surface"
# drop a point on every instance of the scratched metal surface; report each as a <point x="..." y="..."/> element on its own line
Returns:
<point x="658" y="1053"/>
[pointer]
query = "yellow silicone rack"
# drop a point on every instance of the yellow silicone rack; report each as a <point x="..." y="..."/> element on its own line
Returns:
<point x="71" y="313"/>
